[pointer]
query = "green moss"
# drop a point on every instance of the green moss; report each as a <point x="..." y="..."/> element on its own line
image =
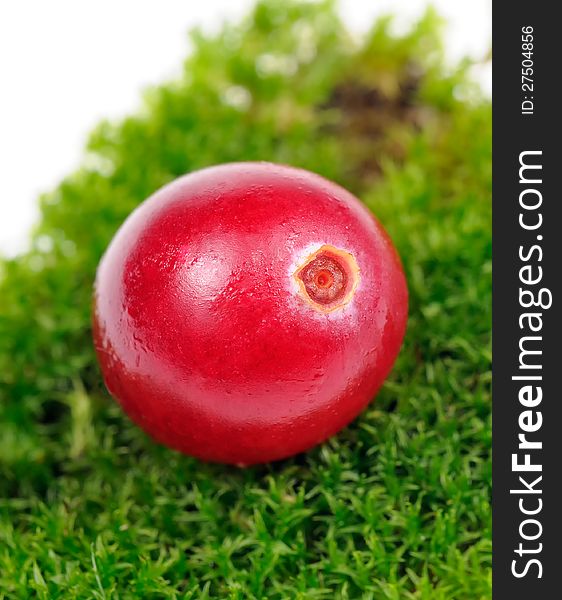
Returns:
<point x="398" y="504"/>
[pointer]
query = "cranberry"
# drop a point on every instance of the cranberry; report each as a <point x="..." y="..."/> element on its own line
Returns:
<point x="247" y="312"/>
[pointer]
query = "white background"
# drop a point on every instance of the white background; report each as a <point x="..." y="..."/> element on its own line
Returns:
<point x="65" y="64"/>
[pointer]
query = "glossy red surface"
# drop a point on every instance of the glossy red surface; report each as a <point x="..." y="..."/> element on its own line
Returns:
<point x="207" y="339"/>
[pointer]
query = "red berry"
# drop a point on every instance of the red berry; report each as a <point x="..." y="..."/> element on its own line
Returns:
<point x="247" y="312"/>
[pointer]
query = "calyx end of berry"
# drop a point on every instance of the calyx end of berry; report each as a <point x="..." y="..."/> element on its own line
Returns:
<point x="327" y="278"/>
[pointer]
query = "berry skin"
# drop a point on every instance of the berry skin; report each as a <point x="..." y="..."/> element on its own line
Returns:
<point x="247" y="312"/>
